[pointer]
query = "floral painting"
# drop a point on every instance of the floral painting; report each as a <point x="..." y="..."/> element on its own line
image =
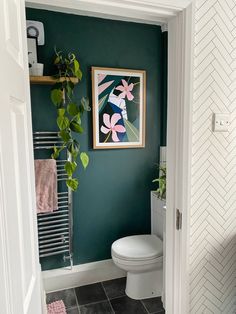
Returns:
<point x="118" y="108"/>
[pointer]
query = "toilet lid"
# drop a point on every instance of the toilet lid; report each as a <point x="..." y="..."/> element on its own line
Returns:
<point x="139" y="247"/>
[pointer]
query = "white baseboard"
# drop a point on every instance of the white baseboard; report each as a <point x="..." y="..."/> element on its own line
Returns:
<point x="80" y="275"/>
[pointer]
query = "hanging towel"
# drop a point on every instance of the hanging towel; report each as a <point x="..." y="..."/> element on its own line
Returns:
<point x="46" y="185"/>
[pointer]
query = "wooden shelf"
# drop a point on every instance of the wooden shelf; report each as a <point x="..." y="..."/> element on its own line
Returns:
<point x="49" y="80"/>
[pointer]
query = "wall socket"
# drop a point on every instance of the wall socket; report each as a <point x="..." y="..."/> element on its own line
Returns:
<point x="221" y="122"/>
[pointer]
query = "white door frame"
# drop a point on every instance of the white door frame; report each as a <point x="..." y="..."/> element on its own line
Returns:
<point x="179" y="151"/>
<point x="179" y="17"/>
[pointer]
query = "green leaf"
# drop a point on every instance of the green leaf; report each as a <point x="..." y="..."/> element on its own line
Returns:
<point x="102" y="102"/>
<point x="76" y="127"/>
<point x="77" y="118"/>
<point x="65" y="135"/>
<point x="69" y="88"/>
<point x="72" y="183"/>
<point x="73" y="147"/>
<point x="63" y="122"/>
<point x="57" y="96"/>
<point x="55" y="153"/>
<point x="131" y="131"/>
<point x="57" y="60"/>
<point x="72" y="109"/>
<point x="61" y="112"/>
<point x="84" y="159"/>
<point x="85" y="104"/>
<point x="70" y="167"/>
<point x="78" y="74"/>
<point x="76" y="65"/>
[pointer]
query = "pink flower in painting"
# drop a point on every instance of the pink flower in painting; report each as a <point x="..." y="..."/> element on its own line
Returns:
<point x="125" y="90"/>
<point x="111" y="126"/>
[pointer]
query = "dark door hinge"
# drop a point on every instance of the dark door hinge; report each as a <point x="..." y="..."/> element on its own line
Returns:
<point x="178" y="219"/>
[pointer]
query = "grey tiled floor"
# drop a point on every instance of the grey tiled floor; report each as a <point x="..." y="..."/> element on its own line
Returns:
<point x="107" y="297"/>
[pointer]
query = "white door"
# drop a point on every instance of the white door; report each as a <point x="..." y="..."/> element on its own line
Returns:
<point x="19" y="265"/>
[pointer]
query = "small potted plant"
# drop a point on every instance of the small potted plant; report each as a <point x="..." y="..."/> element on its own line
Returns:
<point x="161" y="190"/>
<point x="158" y="197"/>
<point x="69" y="113"/>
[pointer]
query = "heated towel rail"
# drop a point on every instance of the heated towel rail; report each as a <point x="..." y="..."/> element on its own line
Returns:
<point x="55" y="228"/>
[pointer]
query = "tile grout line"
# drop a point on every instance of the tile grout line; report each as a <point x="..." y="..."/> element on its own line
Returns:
<point x="107" y="297"/>
<point x="92" y="303"/>
<point x="77" y="302"/>
<point x="144" y="306"/>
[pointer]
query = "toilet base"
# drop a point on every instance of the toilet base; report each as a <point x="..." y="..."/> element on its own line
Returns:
<point x="144" y="285"/>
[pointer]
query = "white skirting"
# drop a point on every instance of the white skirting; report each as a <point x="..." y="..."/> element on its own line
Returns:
<point x="80" y="275"/>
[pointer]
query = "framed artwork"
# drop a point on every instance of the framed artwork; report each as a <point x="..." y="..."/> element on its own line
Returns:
<point x="119" y="107"/>
<point x="32" y="51"/>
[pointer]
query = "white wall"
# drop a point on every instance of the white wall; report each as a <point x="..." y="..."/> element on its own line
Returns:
<point x="213" y="208"/>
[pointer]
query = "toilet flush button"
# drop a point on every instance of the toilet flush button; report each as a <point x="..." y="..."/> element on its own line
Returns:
<point x="221" y="122"/>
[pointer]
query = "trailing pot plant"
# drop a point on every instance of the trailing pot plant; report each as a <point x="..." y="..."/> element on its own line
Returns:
<point x="69" y="113"/>
<point x="161" y="190"/>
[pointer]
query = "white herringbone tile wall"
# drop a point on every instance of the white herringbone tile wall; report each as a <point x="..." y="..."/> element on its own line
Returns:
<point x="213" y="199"/>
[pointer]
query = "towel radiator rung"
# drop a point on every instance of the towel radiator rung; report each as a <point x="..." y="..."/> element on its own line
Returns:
<point x="51" y="236"/>
<point x="63" y="206"/>
<point x="56" y="212"/>
<point x="54" y="253"/>
<point x="52" y="231"/>
<point x="55" y="248"/>
<point x="52" y="222"/>
<point x="42" y="246"/>
<point x="50" y="227"/>
<point x="62" y="238"/>
<point x="51" y="218"/>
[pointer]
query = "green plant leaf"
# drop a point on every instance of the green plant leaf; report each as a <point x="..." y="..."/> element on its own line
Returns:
<point x="61" y="112"/>
<point x="63" y="122"/>
<point x="76" y="64"/>
<point x="85" y="104"/>
<point x="84" y="159"/>
<point x="55" y="153"/>
<point x="56" y="96"/>
<point x="131" y="131"/>
<point x="77" y="118"/>
<point x="76" y="127"/>
<point x="73" y="147"/>
<point x="72" y="183"/>
<point x="57" y="60"/>
<point x="70" y="167"/>
<point x="72" y="109"/>
<point x="102" y="102"/>
<point x="78" y="74"/>
<point x="65" y="135"/>
<point x="69" y="88"/>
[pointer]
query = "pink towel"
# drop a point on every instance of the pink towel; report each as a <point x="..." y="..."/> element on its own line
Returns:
<point x="46" y="185"/>
<point x="57" y="307"/>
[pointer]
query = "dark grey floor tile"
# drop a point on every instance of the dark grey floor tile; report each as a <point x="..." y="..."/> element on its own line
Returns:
<point x="153" y="305"/>
<point x="90" y="294"/>
<point x="73" y="310"/>
<point x="125" y="305"/>
<point x="96" y="308"/>
<point x="67" y="296"/>
<point x="115" y="288"/>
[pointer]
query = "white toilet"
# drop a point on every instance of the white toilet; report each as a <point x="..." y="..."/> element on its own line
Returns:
<point x="142" y="256"/>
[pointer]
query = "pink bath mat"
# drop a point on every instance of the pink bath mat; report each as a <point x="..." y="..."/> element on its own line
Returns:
<point x="57" y="307"/>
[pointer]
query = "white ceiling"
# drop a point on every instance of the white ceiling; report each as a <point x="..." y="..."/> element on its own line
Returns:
<point x="145" y="11"/>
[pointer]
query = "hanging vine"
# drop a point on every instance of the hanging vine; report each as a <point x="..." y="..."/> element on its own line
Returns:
<point x="69" y="114"/>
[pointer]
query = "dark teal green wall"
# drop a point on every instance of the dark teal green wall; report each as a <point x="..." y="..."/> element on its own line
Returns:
<point x="114" y="194"/>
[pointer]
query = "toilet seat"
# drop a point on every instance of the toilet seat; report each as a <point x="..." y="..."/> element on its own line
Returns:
<point x="146" y="249"/>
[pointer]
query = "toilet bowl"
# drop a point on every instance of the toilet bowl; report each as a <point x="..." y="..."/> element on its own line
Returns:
<point x="141" y="256"/>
